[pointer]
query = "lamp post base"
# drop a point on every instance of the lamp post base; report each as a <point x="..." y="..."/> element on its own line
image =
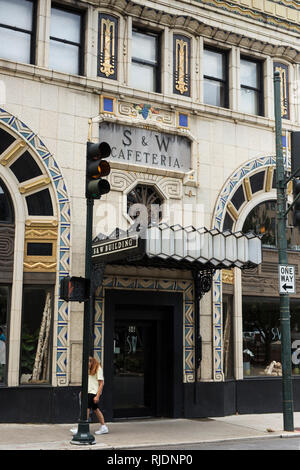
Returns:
<point x="83" y="436"/>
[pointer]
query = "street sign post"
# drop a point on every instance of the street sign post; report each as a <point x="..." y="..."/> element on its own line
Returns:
<point x="286" y="275"/>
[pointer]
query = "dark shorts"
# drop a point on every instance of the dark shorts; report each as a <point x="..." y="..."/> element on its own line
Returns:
<point x="91" y="404"/>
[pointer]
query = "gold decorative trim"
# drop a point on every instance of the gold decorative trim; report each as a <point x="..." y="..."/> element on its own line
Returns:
<point x="11" y="152"/>
<point x="36" y="184"/>
<point x="232" y="210"/>
<point x="39" y="267"/>
<point x="269" y="179"/>
<point x="107" y="47"/>
<point x="41" y="223"/>
<point x="228" y="276"/>
<point x="182" y="61"/>
<point x="41" y="232"/>
<point x="247" y="188"/>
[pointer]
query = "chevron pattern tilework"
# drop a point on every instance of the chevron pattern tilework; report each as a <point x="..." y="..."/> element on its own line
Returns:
<point x="61" y="309"/>
<point x="224" y="197"/>
<point x="186" y="287"/>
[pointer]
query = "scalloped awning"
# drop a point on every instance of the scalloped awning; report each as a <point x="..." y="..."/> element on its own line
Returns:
<point x="179" y="247"/>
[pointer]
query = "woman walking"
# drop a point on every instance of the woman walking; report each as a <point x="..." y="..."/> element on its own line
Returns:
<point x="95" y="387"/>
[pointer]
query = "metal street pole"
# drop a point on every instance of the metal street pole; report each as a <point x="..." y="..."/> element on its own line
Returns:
<point x="83" y="436"/>
<point x="287" y="386"/>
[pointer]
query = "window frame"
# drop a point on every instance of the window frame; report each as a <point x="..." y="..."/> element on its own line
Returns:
<point x="225" y="70"/>
<point x="260" y="90"/>
<point x="31" y="33"/>
<point x="81" y="44"/>
<point x="156" y="66"/>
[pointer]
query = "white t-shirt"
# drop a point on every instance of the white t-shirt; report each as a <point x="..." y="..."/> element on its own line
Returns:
<point x="2" y="352"/>
<point x="93" y="384"/>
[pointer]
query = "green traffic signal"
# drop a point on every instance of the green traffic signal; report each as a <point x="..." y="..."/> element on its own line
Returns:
<point x="96" y="168"/>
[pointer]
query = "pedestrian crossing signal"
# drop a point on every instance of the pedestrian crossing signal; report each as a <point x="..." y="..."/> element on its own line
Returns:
<point x="74" y="289"/>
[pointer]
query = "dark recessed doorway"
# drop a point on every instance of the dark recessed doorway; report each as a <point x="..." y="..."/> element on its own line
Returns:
<point x="143" y="370"/>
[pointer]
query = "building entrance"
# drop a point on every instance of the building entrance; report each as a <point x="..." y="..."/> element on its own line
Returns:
<point x="142" y="361"/>
<point x="142" y="339"/>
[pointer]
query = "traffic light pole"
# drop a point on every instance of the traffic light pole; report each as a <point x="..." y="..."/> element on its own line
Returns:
<point x="83" y="436"/>
<point x="287" y="386"/>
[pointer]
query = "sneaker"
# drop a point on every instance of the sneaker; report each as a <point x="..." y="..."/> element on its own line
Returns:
<point x="103" y="430"/>
<point x="74" y="430"/>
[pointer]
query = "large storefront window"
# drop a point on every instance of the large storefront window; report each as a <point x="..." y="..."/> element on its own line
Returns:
<point x="36" y="335"/>
<point x="262" y="336"/>
<point x="4" y="302"/>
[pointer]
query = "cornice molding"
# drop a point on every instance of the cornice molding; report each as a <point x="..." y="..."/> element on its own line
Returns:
<point x="195" y="26"/>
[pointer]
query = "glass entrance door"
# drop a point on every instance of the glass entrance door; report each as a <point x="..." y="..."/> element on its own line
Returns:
<point x="134" y="368"/>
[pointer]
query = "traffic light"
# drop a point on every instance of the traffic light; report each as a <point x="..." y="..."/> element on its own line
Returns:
<point x="96" y="168"/>
<point x="74" y="289"/>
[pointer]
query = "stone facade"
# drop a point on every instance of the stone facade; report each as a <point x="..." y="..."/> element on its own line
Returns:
<point x="53" y="114"/>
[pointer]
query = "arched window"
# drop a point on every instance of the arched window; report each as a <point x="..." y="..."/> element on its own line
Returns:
<point x="262" y="221"/>
<point x="6" y="207"/>
<point x="144" y="204"/>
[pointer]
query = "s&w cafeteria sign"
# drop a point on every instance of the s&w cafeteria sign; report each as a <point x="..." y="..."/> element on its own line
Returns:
<point x="146" y="148"/>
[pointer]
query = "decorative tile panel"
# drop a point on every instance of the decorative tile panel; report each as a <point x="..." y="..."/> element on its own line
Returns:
<point x="181" y="65"/>
<point x="108" y="46"/>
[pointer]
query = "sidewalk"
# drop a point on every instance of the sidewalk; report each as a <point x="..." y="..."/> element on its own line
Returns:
<point x="147" y="432"/>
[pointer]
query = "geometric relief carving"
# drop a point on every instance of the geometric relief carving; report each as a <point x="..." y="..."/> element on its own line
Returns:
<point x="7" y="237"/>
<point x="108" y="46"/>
<point x="171" y="188"/>
<point x="145" y="112"/>
<point x="41" y="233"/>
<point x="181" y="65"/>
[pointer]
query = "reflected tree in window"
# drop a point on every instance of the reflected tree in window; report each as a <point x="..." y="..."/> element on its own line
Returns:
<point x="36" y="335"/>
<point x="262" y="221"/>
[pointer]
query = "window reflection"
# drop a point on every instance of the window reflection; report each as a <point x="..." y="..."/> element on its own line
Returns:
<point x="251" y="83"/>
<point x="65" y="41"/>
<point x="262" y="221"/>
<point x="145" y="61"/>
<point x="36" y="335"/>
<point x="262" y="337"/>
<point x="215" y="81"/>
<point x="16" y="29"/>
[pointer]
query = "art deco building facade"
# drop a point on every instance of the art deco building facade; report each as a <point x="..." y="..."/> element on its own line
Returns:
<point x="183" y="93"/>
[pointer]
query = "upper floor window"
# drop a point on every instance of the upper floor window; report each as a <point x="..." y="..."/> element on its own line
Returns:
<point x="66" y="41"/>
<point x="215" y="78"/>
<point x="16" y="30"/>
<point x="251" y="94"/>
<point x="145" y="67"/>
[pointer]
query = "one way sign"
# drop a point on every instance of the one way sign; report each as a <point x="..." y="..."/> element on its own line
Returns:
<point x="286" y="279"/>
